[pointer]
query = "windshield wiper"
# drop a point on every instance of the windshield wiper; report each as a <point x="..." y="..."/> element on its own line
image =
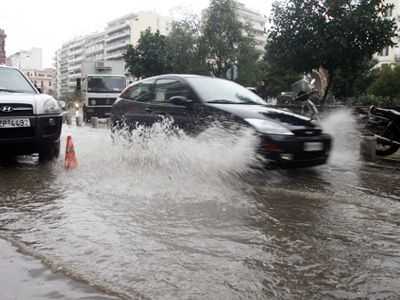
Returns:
<point x="8" y="91"/>
<point x="246" y="100"/>
<point x="223" y="101"/>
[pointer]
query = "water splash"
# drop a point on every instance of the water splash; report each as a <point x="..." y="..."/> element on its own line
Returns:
<point x="342" y="125"/>
<point x="163" y="159"/>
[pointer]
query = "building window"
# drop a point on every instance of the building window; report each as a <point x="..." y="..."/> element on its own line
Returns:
<point x="384" y="52"/>
<point x="388" y="12"/>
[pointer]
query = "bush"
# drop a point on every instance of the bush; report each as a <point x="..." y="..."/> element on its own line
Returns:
<point x="387" y="83"/>
<point x="367" y="100"/>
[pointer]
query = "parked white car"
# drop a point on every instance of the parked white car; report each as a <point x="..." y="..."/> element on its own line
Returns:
<point x="30" y="122"/>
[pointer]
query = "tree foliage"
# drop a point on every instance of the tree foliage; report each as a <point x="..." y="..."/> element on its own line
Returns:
<point x="211" y="48"/>
<point x="187" y="54"/>
<point x="222" y="33"/>
<point x="387" y="82"/>
<point x="276" y="79"/>
<point x="353" y="83"/>
<point x="150" y="57"/>
<point x="248" y="59"/>
<point x="333" y="34"/>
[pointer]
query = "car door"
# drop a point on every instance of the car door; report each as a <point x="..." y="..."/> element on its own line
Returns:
<point x="133" y="106"/>
<point x="161" y="107"/>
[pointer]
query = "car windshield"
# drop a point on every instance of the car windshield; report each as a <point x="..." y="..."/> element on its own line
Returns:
<point x="213" y="90"/>
<point x="106" y="84"/>
<point x="12" y="81"/>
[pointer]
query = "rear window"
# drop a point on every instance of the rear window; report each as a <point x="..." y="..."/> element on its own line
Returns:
<point x="13" y="81"/>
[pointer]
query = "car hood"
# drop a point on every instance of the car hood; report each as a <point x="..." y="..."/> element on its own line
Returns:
<point x="289" y="120"/>
<point x="36" y="100"/>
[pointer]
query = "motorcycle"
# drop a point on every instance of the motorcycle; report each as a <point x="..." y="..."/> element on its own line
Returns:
<point x="385" y="125"/>
<point x="303" y="93"/>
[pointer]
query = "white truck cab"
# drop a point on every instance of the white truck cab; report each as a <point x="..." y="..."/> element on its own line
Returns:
<point x="101" y="84"/>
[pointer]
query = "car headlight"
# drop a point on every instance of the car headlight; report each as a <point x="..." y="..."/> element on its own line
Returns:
<point x="51" y="106"/>
<point x="269" y="127"/>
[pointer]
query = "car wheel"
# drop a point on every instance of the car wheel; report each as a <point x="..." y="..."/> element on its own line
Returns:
<point x="384" y="148"/>
<point x="49" y="151"/>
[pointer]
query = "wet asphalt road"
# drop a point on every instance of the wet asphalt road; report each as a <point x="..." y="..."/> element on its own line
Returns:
<point x="189" y="219"/>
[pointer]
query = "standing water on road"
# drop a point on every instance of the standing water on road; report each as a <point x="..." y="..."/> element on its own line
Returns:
<point x="177" y="217"/>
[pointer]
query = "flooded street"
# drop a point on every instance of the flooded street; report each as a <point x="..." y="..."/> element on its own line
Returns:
<point x="186" y="218"/>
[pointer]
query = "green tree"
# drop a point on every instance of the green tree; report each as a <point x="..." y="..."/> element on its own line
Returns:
<point x="333" y="34"/>
<point x="150" y="57"/>
<point x="184" y="45"/>
<point x="387" y="83"/>
<point x="222" y="33"/>
<point x="353" y="83"/>
<point x="276" y="78"/>
<point x="248" y="59"/>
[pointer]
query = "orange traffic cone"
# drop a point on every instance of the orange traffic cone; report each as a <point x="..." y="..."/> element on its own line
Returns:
<point x="70" y="158"/>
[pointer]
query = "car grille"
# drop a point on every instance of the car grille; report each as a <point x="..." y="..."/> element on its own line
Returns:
<point x="13" y="109"/>
<point x="101" y="101"/>
<point x="309" y="155"/>
<point x="307" y="132"/>
<point x="12" y="133"/>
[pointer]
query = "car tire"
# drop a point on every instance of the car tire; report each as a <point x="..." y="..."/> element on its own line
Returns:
<point x="49" y="151"/>
<point x="385" y="149"/>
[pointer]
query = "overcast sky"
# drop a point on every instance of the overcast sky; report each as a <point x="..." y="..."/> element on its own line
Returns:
<point x="49" y="23"/>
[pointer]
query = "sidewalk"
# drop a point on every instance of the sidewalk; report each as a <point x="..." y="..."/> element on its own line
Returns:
<point x="395" y="158"/>
<point x="23" y="277"/>
<point x="389" y="162"/>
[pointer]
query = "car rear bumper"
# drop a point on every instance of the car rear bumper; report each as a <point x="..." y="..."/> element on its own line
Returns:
<point x="43" y="129"/>
<point x="290" y="151"/>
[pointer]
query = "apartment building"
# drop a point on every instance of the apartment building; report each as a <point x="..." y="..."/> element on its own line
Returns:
<point x="43" y="79"/>
<point x="126" y="30"/>
<point x="150" y="20"/>
<point x="110" y="44"/>
<point x="2" y="47"/>
<point x="118" y="36"/>
<point x="391" y="55"/>
<point x="257" y="22"/>
<point x="26" y="59"/>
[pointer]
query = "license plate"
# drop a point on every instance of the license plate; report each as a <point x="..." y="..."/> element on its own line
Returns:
<point x="313" y="146"/>
<point x="14" y="123"/>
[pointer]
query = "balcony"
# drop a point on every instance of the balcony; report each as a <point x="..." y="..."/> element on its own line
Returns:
<point x="115" y="47"/>
<point x="74" y="68"/>
<point x="111" y="38"/>
<point x="115" y="56"/>
<point x="75" y="75"/>
<point x="118" y="27"/>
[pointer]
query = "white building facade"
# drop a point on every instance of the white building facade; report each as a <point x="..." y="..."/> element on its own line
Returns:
<point x="257" y="21"/>
<point x="26" y="59"/>
<point x="111" y="44"/>
<point x="391" y="55"/>
<point x="43" y="79"/>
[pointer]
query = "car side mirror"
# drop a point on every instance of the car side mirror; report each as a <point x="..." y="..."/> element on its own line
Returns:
<point x="180" y="100"/>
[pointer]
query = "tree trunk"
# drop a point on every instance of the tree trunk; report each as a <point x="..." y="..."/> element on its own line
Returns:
<point x="328" y="87"/>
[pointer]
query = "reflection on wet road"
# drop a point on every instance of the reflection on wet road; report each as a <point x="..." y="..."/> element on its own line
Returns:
<point x="190" y="219"/>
